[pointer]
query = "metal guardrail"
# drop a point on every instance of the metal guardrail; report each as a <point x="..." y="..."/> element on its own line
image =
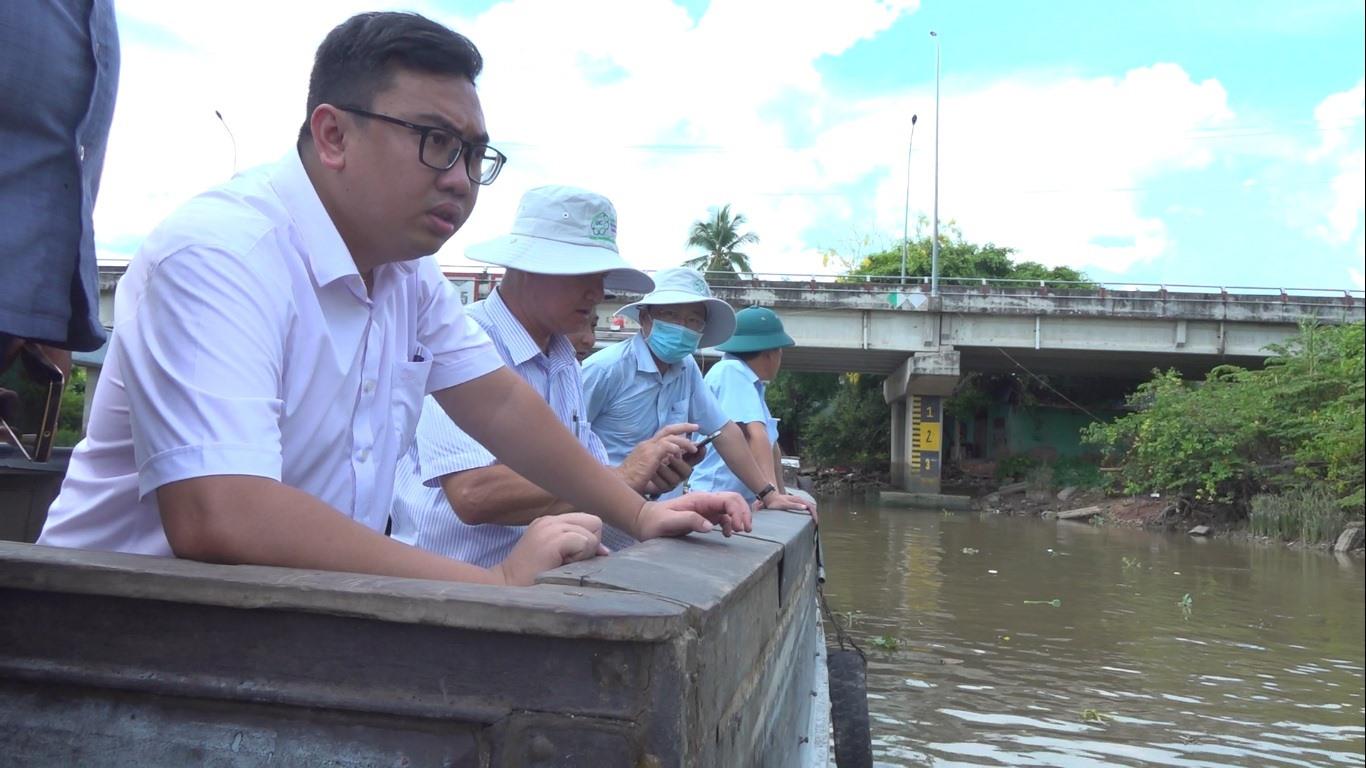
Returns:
<point x="1058" y="289"/>
<point x="893" y="282"/>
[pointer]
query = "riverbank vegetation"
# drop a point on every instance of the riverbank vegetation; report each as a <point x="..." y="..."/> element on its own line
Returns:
<point x="1282" y="446"/>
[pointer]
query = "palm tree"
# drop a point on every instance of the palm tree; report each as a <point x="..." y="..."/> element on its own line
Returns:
<point x="719" y="236"/>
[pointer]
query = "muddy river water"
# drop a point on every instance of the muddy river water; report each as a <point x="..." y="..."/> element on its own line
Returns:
<point x="1017" y="641"/>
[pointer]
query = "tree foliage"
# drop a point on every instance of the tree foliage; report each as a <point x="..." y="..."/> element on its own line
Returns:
<point x="795" y="398"/>
<point x="839" y="420"/>
<point x="958" y="258"/>
<point x="720" y="236"/>
<point x="1299" y="422"/>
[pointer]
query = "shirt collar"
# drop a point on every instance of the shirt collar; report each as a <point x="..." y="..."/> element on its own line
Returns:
<point x="645" y="362"/>
<point x="745" y="370"/>
<point x="323" y="248"/>
<point x="518" y="343"/>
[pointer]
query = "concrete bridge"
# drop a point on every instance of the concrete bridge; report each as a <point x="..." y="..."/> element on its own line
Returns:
<point x="923" y="343"/>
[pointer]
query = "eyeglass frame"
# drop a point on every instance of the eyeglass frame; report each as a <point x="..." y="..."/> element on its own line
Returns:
<point x="424" y="131"/>
<point x="653" y="311"/>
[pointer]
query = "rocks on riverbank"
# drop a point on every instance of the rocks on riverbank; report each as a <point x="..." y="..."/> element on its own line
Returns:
<point x="843" y="480"/>
<point x="1154" y="511"/>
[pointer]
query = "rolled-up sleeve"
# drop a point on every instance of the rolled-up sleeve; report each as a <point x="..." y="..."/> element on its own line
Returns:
<point x="735" y="392"/>
<point x="703" y="408"/>
<point x="202" y="369"/>
<point x="461" y="351"/>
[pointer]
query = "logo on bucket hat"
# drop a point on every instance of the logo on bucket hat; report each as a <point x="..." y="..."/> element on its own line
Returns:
<point x="604" y="227"/>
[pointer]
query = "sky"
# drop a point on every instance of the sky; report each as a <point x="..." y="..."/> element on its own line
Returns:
<point x="1214" y="143"/>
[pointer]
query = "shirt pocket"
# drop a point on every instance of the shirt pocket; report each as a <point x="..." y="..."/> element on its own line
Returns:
<point x="676" y="413"/>
<point x="407" y="391"/>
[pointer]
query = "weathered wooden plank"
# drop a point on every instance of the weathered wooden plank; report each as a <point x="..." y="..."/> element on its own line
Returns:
<point x="797" y="535"/>
<point x="542" y="740"/>
<point x="766" y="719"/>
<point x="546" y="610"/>
<point x="57" y="725"/>
<point x="336" y="662"/>
<point x="700" y="571"/>
<point x="679" y="652"/>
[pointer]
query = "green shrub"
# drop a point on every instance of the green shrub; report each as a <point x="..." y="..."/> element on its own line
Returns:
<point x="1309" y="514"/>
<point x="1240" y="433"/>
<point x="854" y="428"/>
<point x="1015" y="467"/>
<point x="1079" y="472"/>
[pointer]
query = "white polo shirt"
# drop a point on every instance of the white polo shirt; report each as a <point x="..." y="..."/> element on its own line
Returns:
<point x="245" y="344"/>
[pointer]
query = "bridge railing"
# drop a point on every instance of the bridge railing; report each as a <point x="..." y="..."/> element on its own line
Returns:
<point x="964" y="284"/>
<point x="487" y="277"/>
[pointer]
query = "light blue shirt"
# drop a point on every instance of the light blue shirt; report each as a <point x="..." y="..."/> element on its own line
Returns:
<point x="742" y="398"/>
<point x="628" y="399"/>
<point x="422" y="514"/>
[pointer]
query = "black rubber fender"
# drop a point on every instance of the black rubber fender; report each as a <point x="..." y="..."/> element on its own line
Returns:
<point x="849" y="709"/>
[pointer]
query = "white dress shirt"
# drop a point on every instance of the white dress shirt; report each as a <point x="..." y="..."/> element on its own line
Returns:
<point x="423" y="515"/>
<point x="245" y="343"/>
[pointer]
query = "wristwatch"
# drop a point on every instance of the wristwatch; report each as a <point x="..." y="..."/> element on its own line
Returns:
<point x="766" y="490"/>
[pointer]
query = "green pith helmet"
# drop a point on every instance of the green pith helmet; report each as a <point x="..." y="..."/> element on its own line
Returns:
<point x="757" y="329"/>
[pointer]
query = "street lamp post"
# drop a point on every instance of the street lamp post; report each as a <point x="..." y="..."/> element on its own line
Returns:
<point x="934" y="242"/>
<point x="906" y="208"/>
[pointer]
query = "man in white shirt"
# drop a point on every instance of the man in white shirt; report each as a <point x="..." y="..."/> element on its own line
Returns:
<point x="451" y="495"/>
<point x="274" y="339"/>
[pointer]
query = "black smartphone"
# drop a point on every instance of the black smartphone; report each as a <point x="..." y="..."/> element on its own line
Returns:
<point x="703" y="442"/>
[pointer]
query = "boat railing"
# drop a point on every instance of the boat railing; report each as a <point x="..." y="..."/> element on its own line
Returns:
<point x="692" y="652"/>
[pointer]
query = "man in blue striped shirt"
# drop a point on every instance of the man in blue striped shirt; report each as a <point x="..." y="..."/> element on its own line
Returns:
<point x="450" y="495"/>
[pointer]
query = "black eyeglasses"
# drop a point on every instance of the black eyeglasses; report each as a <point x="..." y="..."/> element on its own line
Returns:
<point x="440" y="149"/>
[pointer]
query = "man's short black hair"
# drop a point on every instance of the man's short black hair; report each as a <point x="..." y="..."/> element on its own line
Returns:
<point x="359" y="57"/>
<point x="747" y="356"/>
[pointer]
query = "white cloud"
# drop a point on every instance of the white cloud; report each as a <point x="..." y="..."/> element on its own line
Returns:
<point x="1055" y="167"/>
<point x="1340" y="117"/>
<point x="669" y="117"/>
<point x="1338" y="214"/>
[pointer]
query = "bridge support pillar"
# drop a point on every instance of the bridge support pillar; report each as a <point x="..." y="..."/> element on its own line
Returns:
<point x="900" y="466"/>
<point x="916" y="392"/>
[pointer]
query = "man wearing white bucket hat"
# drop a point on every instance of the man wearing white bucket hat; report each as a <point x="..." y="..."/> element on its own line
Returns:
<point x="451" y="495"/>
<point x="651" y="380"/>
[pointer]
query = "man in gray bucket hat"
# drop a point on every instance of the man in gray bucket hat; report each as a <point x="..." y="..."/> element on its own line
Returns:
<point x="451" y="496"/>
<point x="650" y="380"/>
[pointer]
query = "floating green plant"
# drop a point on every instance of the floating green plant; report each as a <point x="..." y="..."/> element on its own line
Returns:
<point x="886" y="643"/>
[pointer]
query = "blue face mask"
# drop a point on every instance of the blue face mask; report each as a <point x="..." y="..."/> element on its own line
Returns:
<point x="671" y="343"/>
